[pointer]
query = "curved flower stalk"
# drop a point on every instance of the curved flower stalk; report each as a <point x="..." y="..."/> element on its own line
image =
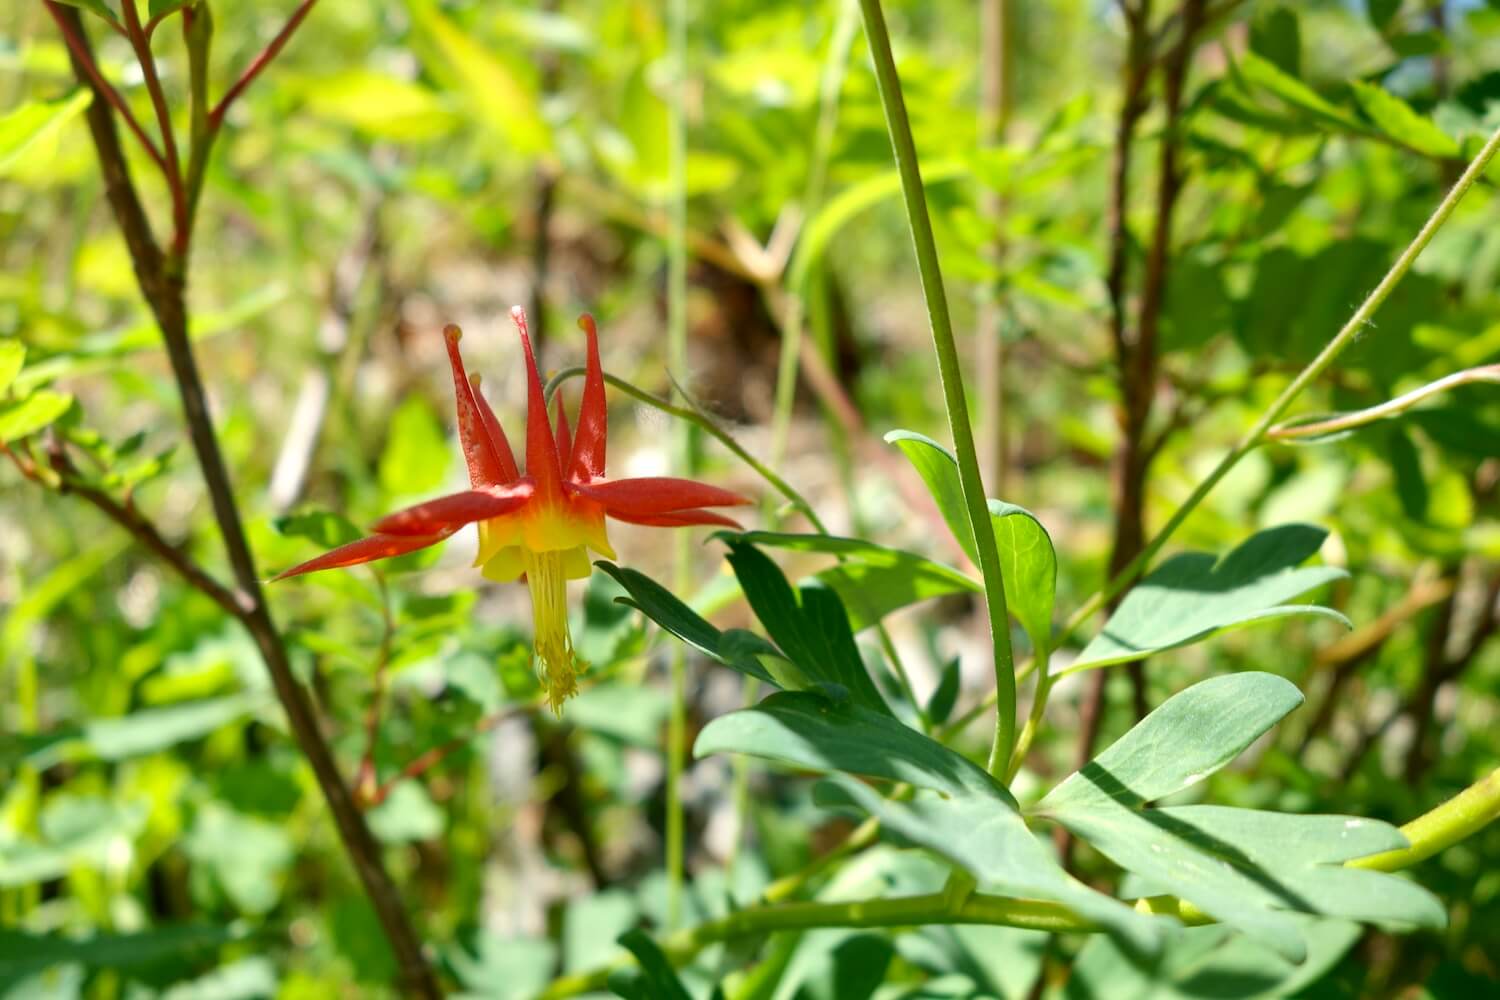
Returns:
<point x="538" y="525"/>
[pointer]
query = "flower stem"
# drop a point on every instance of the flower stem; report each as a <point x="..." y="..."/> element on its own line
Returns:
<point x="950" y="372"/>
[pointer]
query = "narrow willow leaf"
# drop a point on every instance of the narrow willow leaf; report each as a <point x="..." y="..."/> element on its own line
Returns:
<point x="31" y="124"/>
<point x="1193" y="595"/>
<point x="35" y="412"/>
<point x="872" y="580"/>
<point x="12" y="357"/>
<point x="1246" y="868"/>
<point x="736" y="649"/>
<point x="807" y="730"/>
<point x="501" y="95"/>
<point x="987" y="837"/>
<point x="1395" y="118"/>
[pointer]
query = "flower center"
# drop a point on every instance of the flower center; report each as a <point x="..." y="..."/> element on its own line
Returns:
<point x="558" y="665"/>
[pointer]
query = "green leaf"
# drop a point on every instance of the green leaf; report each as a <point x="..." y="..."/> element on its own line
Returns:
<point x="1276" y="35"/>
<point x="945" y="695"/>
<point x="1209" y="963"/>
<point x="1269" y="77"/>
<point x="324" y="527"/>
<point x="592" y="925"/>
<point x="99" y="352"/>
<point x="381" y="105"/>
<point x="1193" y="595"/>
<point x="655" y="979"/>
<point x="504" y="967"/>
<point x="736" y="649"/>
<point x="1027" y="559"/>
<point x="809" y="624"/>
<point x="987" y="837"/>
<point x="416" y="456"/>
<point x="1243" y="867"/>
<point x="33" y="413"/>
<point x="1029" y="565"/>
<point x="34" y="122"/>
<point x="22" y="953"/>
<point x="502" y="98"/>
<point x="161" y="8"/>
<point x="1406" y="466"/>
<point x="872" y="580"/>
<point x="12" y="357"/>
<point x="152" y="729"/>
<point x="1187" y="738"/>
<point x="939" y="470"/>
<point x="406" y="816"/>
<point x="248" y="857"/>
<point x="807" y="730"/>
<point x="1380" y="13"/>
<point x="98" y="7"/>
<point x="1395" y="118"/>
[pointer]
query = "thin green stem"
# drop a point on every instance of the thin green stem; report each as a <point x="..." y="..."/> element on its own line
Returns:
<point x="677" y="16"/>
<point x="1300" y="429"/>
<point x="1357" y="322"/>
<point x="950" y="372"/>
<point x="832" y="83"/>
<point x="1044" y="681"/>
<point x="903" y="911"/>
<point x="1261" y="431"/>
<point x="696" y="415"/>
<point x="1461" y="816"/>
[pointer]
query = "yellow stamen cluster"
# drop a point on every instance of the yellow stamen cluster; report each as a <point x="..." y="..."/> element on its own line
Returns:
<point x="558" y="665"/>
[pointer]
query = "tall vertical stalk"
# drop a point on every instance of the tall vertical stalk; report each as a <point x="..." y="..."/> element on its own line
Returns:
<point x="951" y="375"/>
<point x="677" y="15"/>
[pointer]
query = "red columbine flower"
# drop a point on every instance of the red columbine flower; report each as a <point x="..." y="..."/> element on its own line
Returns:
<point x="539" y="525"/>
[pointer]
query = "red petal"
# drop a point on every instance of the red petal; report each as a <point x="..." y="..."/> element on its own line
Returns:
<point x="486" y="452"/>
<point x="542" y="463"/>
<point x="680" y="519"/>
<point x="564" y="436"/>
<point x="365" y="550"/>
<point x="655" y="495"/>
<point x="497" y="433"/>
<point x="452" y="512"/>
<point x="593" y="416"/>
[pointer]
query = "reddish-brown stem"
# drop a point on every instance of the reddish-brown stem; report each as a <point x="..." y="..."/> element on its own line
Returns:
<point x="259" y="63"/>
<point x="171" y="166"/>
<point x="163" y="289"/>
<point x="85" y="59"/>
<point x="430" y="758"/>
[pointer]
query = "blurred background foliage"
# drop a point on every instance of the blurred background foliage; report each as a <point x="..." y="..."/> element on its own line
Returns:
<point x="406" y="165"/>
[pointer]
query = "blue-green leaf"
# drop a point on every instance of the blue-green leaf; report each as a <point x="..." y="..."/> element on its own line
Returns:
<point x="1243" y="867"/>
<point x="1193" y="595"/>
<point x="807" y="730"/>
